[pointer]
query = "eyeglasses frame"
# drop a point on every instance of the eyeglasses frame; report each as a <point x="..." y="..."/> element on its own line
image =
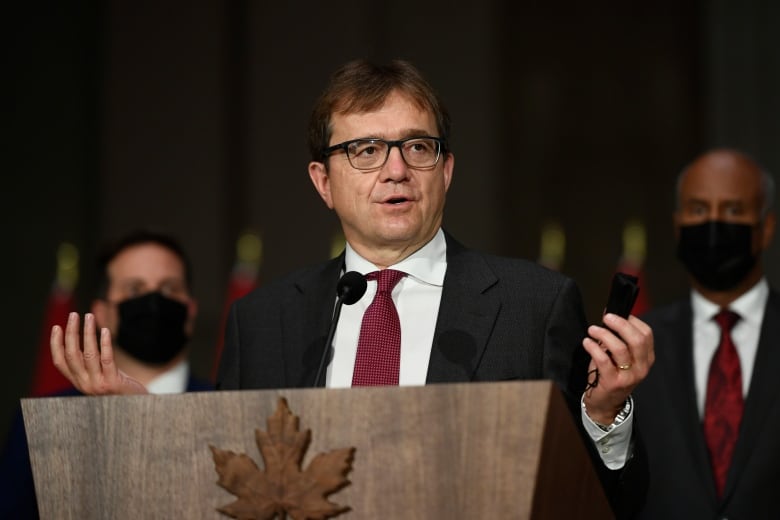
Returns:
<point x="327" y="152"/>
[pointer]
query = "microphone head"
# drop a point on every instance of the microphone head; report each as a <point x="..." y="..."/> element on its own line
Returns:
<point x="351" y="287"/>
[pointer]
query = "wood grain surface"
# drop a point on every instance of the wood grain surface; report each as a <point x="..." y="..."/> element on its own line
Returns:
<point x="471" y="451"/>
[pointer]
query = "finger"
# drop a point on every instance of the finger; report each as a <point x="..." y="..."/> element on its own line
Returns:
<point x="91" y="354"/>
<point x="638" y="337"/>
<point x="647" y="334"/>
<point x="599" y="357"/>
<point x="639" y="324"/>
<point x="608" y="379"/>
<point x="57" y="345"/>
<point x="614" y="345"/>
<point x="117" y="382"/>
<point x="73" y="356"/>
<point x="631" y="330"/>
<point x="614" y="385"/>
<point x="107" y="354"/>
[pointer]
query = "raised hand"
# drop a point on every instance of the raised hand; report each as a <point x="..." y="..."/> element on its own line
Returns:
<point x="90" y="369"/>
<point x="620" y="360"/>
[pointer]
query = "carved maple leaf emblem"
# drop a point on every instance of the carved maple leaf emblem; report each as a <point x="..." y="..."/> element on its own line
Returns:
<point x="282" y="488"/>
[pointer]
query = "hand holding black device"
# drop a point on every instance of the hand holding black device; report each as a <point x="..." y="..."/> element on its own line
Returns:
<point x="622" y="296"/>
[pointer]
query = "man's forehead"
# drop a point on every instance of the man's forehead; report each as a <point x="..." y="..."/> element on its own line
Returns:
<point x="720" y="187"/>
<point x="717" y="180"/>
<point x="146" y="261"/>
<point x="399" y="116"/>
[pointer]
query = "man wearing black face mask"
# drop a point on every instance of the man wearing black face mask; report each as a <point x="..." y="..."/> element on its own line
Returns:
<point x="710" y="406"/>
<point x="144" y="300"/>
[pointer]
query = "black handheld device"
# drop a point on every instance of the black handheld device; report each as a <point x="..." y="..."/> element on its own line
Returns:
<point x="622" y="294"/>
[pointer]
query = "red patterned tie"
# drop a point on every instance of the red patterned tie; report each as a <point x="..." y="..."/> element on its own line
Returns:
<point x="723" y="411"/>
<point x="379" y="348"/>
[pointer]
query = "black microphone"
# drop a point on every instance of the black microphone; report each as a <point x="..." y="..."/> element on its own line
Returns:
<point x="351" y="287"/>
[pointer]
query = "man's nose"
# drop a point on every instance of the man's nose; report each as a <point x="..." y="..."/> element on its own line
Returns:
<point x="395" y="168"/>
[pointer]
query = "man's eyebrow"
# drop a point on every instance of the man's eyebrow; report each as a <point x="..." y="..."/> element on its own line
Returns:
<point x="414" y="132"/>
<point x="695" y="200"/>
<point x="404" y="134"/>
<point x="131" y="280"/>
<point x="173" y="279"/>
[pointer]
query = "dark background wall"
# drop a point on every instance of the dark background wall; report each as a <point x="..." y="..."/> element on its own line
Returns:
<point x="190" y="117"/>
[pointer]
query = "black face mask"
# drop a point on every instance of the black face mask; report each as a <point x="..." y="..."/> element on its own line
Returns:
<point x="151" y="328"/>
<point x="718" y="255"/>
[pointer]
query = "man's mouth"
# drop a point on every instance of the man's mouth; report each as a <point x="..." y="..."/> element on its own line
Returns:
<point x="396" y="200"/>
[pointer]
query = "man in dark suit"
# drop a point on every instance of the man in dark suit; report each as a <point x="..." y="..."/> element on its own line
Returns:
<point x="144" y="299"/>
<point x="714" y="452"/>
<point x="434" y="310"/>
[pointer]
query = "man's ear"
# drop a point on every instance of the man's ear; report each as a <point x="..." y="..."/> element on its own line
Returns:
<point x="449" y="168"/>
<point x="768" y="230"/>
<point x="319" y="177"/>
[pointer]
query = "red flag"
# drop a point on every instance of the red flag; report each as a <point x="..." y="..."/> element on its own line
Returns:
<point x="243" y="279"/>
<point x="632" y="262"/>
<point x="46" y="378"/>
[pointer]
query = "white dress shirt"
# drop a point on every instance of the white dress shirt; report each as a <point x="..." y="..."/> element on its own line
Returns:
<point x="416" y="297"/>
<point x="174" y="381"/>
<point x="745" y="333"/>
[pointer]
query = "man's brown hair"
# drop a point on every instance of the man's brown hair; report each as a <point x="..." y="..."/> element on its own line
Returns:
<point x="362" y="86"/>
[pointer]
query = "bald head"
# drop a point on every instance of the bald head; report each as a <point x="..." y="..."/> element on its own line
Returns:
<point x="723" y="173"/>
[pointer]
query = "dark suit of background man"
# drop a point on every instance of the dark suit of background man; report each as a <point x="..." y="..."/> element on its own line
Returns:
<point x="379" y="141"/>
<point x="723" y="222"/>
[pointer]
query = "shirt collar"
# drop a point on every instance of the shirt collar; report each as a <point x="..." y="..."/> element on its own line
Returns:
<point x="174" y="381"/>
<point x="746" y="305"/>
<point x="428" y="264"/>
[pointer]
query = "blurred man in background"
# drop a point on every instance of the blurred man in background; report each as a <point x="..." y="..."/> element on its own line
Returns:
<point x="144" y="299"/>
<point x="710" y="406"/>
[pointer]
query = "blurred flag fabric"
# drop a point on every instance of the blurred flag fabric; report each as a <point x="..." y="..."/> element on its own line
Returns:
<point x="632" y="261"/>
<point x="46" y="378"/>
<point x="243" y="278"/>
<point x="337" y="243"/>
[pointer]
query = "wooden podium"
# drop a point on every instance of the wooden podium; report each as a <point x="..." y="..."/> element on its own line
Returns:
<point x="449" y="451"/>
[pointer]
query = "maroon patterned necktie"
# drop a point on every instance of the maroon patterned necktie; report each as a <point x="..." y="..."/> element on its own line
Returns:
<point x="723" y="409"/>
<point x="378" y="357"/>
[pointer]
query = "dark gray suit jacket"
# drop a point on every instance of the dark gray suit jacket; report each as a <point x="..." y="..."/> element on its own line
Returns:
<point x="681" y="484"/>
<point x="499" y="319"/>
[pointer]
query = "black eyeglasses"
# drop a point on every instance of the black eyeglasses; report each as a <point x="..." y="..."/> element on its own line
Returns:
<point x="372" y="154"/>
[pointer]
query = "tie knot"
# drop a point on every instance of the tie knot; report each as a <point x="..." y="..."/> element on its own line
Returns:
<point x="726" y="319"/>
<point x="386" y="279"/>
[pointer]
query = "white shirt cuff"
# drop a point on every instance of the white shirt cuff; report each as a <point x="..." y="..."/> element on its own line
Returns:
<point x="614" y="446"/>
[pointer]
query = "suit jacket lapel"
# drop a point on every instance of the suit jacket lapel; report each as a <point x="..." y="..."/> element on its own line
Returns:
<point x="762" y="393"/>
<point x="306" y="319"/>
<point x="679" y="364"/>
<point x="467" y="313"/>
